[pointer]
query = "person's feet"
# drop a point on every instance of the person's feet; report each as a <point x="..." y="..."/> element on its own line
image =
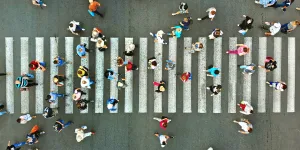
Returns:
<point x="151" y="33"/>
<point x="238" y="25"/>
<point x="297" y="8"/>
<point x="43" y="132"/>
<point x="244" y="16"/>
<point x="33" y="117"/>
<point x="227" y="52"/>
<point x="207" y="88"/>
<point x="256" y="2"/>
<point x="93" y="133"/>
<point x="235" y="121"/>
<point x="199" y="19"/>
<point x="173" y="14"/>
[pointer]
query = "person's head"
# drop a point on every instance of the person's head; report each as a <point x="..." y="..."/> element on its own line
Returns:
<point x="78" y="105"/>
<point x="154" y="63"/>
<point x="31" y="66"/>
<point x="162" y="88"/>
<point x="19" y="120"/>
<point x="200" y="45"/>
<point x="100" y="41"/>
<point x="249" y="21"/>
<point x="218" y="32"/>
<point x="252" y="67"/>
<point x="71" y="25"/>
<point x="83" y="82"/>
<point x="219" y="86"/>
<point x="246" y="49"/>
<point x="163" y="144"/>
<point x="297" y="22"/>
<point x="80" y="50"/>
<point x="251" y="111"/>
<point x="185" y="19"/>
<point x="250" y="130"/>
<point x="284" y="86"/>
<point x="179" y="29"/>
<point x="80" y="72"/>
<point x="55" y="80"/>
<point x="213" y="12"/>
<point x="165" y="124"/>
<point x="48" y="97"/>
<point x="120" y="61"/>
<point x="217" y="72"/>
<point x="74" y="96"/>
<point x="17" y="82"/>
<point x="55" y="62"/>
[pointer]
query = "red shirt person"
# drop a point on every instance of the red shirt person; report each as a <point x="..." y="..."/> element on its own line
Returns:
<point x="186" y="76"/>
<point x="163" y="122"/>
<point x="34" y="65"/>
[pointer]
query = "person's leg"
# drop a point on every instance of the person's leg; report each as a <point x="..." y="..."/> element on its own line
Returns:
<point x="87" y="134"/>
<point x="17" y="145"/>
<point x="279" y="5"/>
<point x="78" y="28"/>
<point x="68" y="124"/>
<point x="31" y="84"/>
<point x="82" y="93"/>
<point x="203" y="18"/>
<point x="59" y="95"/>
<point x="2" y="74"/>
<point x="98" y="13"/>
<point x="2" y="112"/>
<point x="233" y="51"/>
<point x="42" y="63"/>
<point x="92" y="82"/>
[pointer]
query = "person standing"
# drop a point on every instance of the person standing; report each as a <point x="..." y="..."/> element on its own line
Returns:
<point x="270" y="64"/>
<point x="247" y="109"/>
<point x="289" y="27"/>
<point x="185" y="76"/>
<point x="101" y="45"/>
<point x="163" y="122"/>
<point x="248" y="69"/>
<point x="38" y="3"/>
<point x="211" y="14"/>
<point x="80" y="135"/>
<point x="163" y="139"/>
<point x="187" y="21"/>
<point x="213" y="71"/>
<point x="279" y="85"/>
<point x="111" y="104"/>
<point x="241" y="50"/>
<point x="59" y="80"/>
<point x="50" y="112"/>
<point x="59" y="61"/>
<point x="2" y="112"/>
<point x="196" y="47"/>
<point x="129" y="49"/>
<point x="176" y="33"/>
<point x="183" y="9"/>
<point x="121" y="84"/>
<point x="23" y="82"/>
<point x="170" y="65"/>
<point x="75" y="27"/>
<point x="82" y="104"/>
<point x="53" y="97"/>
<point x="86" y="82"/>
<point x="130" y="66"/>
<point x="77" y="94"/>
<point x="121" y="62"/>
<point x="109" y="74"/>
<point x="35" y="65"/>
<point x="93" y="8"/>
<point x="214" y="89"/>
<point x="160" y="86"/>
<point x="60" y="125"/>
<point x="158" y="37"/>
<point x="215" y="34"/>
<point x="16" y="146"/>
<point x="272" y="28"/>
<point x="152" y="63"/>
<point x="245" y="125"/>
<point x="25" y="118"/>
<point x="245" y="25"/>
<point x="82" y="71"/>
<point x="81" y="50"/>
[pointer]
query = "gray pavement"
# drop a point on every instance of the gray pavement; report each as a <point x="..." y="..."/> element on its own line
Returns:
<point x="135" y="18"/>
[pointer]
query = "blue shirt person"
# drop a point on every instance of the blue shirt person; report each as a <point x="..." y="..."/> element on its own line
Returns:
<point x="213" y="72"/>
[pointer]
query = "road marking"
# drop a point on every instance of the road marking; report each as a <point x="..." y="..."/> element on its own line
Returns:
<point x="39" y="90"/>
<point x="172" y="77"/>
<point x="202" y="77"/>
<point x="262" y="75"/>
<point x="99" y="87"/>
<point x="53" y="68"/>
<point x="217" y="80"/>
<point x="247" y="77"/>
<point x="24" y="70"/>
<point x="129" y="81"/>
<point x="114" y="42"/>
<point x="143" y="76"/>
<point x="69" y="86"/>
<point x="232" y="78"/>
<point x="85" y="62"/>
<point x="9" y="55"/>
<point x="291" y="75"/>
<point x="187" y="86"/>
<point x="277" y="74"/>
<point x="157" y="78"/>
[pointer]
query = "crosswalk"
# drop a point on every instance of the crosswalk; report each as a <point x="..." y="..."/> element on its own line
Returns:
<point x="188" y="100"/>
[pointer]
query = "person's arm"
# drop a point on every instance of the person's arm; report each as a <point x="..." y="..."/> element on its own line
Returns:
<point x="243" y="132"/>
<point x="34" y="3"/>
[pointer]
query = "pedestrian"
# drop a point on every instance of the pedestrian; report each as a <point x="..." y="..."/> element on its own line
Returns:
<point x="101" y="45"/>
<point x="35" y="65"/>
<point x="285" y="4"/>
<point x="266" y="3"/>
<point x="210" y="148"/>
<point x="81" y="50"/>
<point x="152" y="63"/>
<point x="279" y="85"/>
<point x="86" y="82"/>
<point x="82" y="104"/>
<point x="176" y="33"/>
<point x="59" y="80"/>
<point x="248" y="69"/>
<point x="75" y="28"/>
<point x="25" y="118"/>
<point x="213" y="71"/>
<point x="2" y="112"/>
<point x="77" y="94"/>
<point x="187" y="21"/>
<point x="245" y="25"/>
<point x="247" y="109"/>
<point x="130" y="66"/>
<point x="129" y="49"/>
<point x="82" y="71"/>
<point x="272" y="28"/>
<point x="160" y="86"/>
<point x="93" y="8"/>
<point x="109" y="74"/>
<point x="270" y="64"/>
<point x="16" y="146"/>
<point x="158" y="37"/>
<point x="111" y="104"/>
<point x="38" y="3"/>
<point x="211" y="14"/>
<point x="214" y="89"/>
<point x="163" y="121"/>
<point x="183" y="9"/>
<point x="80" y="135"/>
<point x="289" y="27"/>
<point x="59" y="61"/>
<point x="196" y="47"/>
<point x="96" y="33"/>
<point x="50" y="112"/>
<point x="121" y="84"/>
<point x="60" y="125"/>
<point x="215" y="34"/>
<point x="241" y="50"/>
<point x="170" y="65"/>
<point x="33" y="136"/>
<point x="23" y="82"/>
<point x="245" y="125"/>
<point x="53" y="97"/>
<point x="163" y="139"/>
<point x="121" y="62"/>
<point x="185" y="76"/>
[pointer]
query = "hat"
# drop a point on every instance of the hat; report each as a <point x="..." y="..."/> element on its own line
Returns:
<point x="110" y="106"/>
<point x="74" y="96"/>
<point x="162" y="88"/>
<point x="55" y="79"/>
<point x="120" y="84"/>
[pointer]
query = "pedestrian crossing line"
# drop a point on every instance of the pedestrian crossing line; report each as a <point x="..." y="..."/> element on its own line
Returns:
<point x="261" y="105"/>
<point x="85" y="62"/>
<point x="9" y="55"/>
<point x="232" y="78"/>
<point x="291" y="75"/>
<point x="187" y="86"/>
<point x="172" y="77"/>
<point x="157" y="78"/>
<point x="202" y="77"/>
<point x="99" y="86"/>
<point x="24" y="70"/>
<point x="69" y="68"/>
<point x="129" y="81"/>
<point x="114" y="43"/>
<point x="39" y="90"/>
<point x="247" y="77"/>
<point x="217" y="80"/>
<point x="53" y="68"/>
<point x="143" y="86"/>
<point x="277" y="74"/>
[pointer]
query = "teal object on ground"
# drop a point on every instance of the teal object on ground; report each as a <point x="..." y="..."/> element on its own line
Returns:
<point x="91" y="13"/>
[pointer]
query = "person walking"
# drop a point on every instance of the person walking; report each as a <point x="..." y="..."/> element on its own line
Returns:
<point x="82" y="104"/>
<point x="176" y="33"/>
<point x="170" y="65"/>
<point x="16" y="146"/>
<point x="152" y="63"/>
<point x="183" y="9"/>
<point x="86" y="82"/>
<point x="285" y="4"/>
<point x="272" y="28"/>
<point x="163" y="139"/>
<point x="59" y="61"/>
<point x="25" y="118"/>
<point x="23" y="82"/>
<point x="158" y="37"/>
<point x="121" y="62"/>
<point x="214" y="89"/>
<point x="96" y="33"/>
<point x="248" y="69"/>
<point x="187" y="21"/>
<point x="33" y="136"/>
<point x="215" y="33"/>
<point x="160" y="86"/>
<point x="185" y="76"/>
<point x="111" y="104"/>
<point x="60" y="125"/>
<point x="129" y="49"/>
<point x="50" y="112"/>
<point x="59" y="80"/>
<point x="289" y="27"/>
<point x="2" y="112"/>
<point x="245" y="25"/>
<point x="93" y="8"/>
<point x="121" y="84"/>
<point x="80" y="135"/>
<point x="81" y="50"/>
<point x="53" y="97"/>
<point x="163" y="121"/>
<point x="266" y="3"/>
<point x="101" y="45"/>
<point x="38" y="3"/>
<point x="211" y="14"/>
<point x="270" y="64"/>
<point x="82" y="71"/>
<point x="35" y="65"/>
<point x="196" y="47"/>
<point x="109" y="74"/>
<point x="130" y="66"/>
<point x="247" y="109"/>
<point x="75" y="27"/>
<point x="213" y="71"/>
<point x="77" y="94"/>
<point x="245" y="125"/>
<point x="241" y="50"/>
<point x="279" y="85"/>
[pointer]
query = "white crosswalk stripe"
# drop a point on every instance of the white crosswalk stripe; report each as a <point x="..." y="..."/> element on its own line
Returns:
<point x="128" y="100"/>
<point x="85" y="62"/>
